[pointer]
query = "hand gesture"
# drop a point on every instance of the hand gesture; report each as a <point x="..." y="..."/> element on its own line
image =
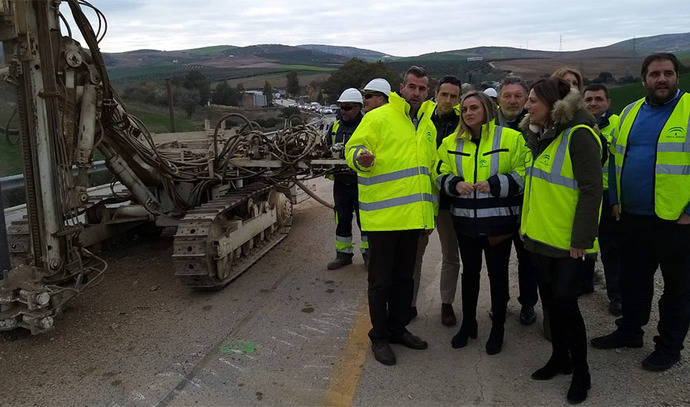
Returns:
<point x="365" y="159"/>
<point x="483" y="187"/>
<point x="464" y="188"/>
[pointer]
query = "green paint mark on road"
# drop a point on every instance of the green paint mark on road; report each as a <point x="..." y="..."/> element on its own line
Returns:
<point x="237" y="346"/>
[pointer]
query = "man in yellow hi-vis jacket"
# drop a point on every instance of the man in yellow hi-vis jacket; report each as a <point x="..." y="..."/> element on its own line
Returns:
<point x="393" y="152"/>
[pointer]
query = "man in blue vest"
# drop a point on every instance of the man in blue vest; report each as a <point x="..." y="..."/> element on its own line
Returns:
<point x="652" y="182"/>
<point x="345" y="182"/>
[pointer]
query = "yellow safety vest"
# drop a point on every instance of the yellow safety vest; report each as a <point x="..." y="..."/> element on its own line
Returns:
<point x="609" y="133"/>
<point x="672" y="165"/>
<point x="396" y="192"/>
<point x="551" y="194"/>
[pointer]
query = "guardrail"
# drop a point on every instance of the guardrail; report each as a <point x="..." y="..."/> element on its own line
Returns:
<point x="13" y="186"/>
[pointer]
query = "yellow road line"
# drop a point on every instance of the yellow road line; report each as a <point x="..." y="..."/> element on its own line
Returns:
<point x="346" y="373"/>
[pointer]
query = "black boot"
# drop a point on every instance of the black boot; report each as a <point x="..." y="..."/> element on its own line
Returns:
<point x="341" y="260"/>
<point x="555" y="365"/>
<point x="581" y="383"/>
<point x="495" y="342"/>
<point x="468" y="329"/>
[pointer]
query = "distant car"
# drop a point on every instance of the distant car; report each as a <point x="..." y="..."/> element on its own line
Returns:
<point x="326" y="110"/>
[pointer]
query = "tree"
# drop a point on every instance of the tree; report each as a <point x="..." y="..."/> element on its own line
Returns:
<point x="268" y="93"/>
<point x="355" y="73"/>
<point x="604" y="77"/>
<point x="187" y="99"/>
<point x="195" y="80"/>
<point x="292" y="86"/>
<point x="224" y="94"/>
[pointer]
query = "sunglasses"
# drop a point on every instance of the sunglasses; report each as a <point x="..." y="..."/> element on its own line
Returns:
<point x="370" y="95"/>
<point x="347" y="108"/>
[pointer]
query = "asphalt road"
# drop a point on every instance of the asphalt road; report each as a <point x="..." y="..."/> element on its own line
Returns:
<point x="289" y="332"/>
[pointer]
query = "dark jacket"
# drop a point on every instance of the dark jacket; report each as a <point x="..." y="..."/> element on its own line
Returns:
<point x="342" y="135"/>
<point x="445" y="126"/>
<point x="515" y="124"/>
<point x="587" y="159"/>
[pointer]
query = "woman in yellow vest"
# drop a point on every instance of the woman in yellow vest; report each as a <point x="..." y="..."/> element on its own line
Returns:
<point x="560" y="215"/>
<point x="481" y="172"/>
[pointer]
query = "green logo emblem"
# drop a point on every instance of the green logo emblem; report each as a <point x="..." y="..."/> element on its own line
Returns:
<point x="483" y="163"/>
<point x="428" y="136"/>
<point x="545" y="159"/>
<point x="676" y="132"/>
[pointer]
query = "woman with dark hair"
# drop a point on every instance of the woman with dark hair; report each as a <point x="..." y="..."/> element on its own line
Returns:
<point x="563" y="190"/>
<point x="480" y="171"/>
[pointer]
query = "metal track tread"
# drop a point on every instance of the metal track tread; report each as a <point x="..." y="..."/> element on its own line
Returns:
<point x="195" y="250"/>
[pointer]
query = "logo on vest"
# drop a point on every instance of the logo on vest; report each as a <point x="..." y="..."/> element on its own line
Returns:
<point x="676" y="133"/>
<point x="428" y="136"/>
<point x="483" y="163"/>
<point x="545" y="158"/>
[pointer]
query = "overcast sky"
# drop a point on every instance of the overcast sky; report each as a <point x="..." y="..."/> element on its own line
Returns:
<point x="402" y="27"/>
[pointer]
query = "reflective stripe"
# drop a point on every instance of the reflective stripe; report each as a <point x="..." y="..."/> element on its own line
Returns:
<point x="620" y="149"/>
<point x="392" y="176"/>
<point x="354" y="156"/>
<point x="625" y="113"/>
<point x="619" y="170"/>
<point x="673" y="169"/>
<point x="347" y="250"/>
<point x="504" y="185"/>
<point x="364" y="238"/>
<point x="458" y="158"/>
<point x="482" y="195"/>
<point x="403" y="200"/>
<point x="518" y="180"/>
<point x="446" y="185"/>
<point x="343" y="239"/>
<point x="557" y="179"/>
<point x="495" y="146"/>
<point x="676" y="147"/>
<point x="486" y="212"/>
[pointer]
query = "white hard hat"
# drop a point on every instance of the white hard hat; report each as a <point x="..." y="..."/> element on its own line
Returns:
<point x="351" y="95"/>
<point x="379" y="85"/>
<point x="490" y="92"/>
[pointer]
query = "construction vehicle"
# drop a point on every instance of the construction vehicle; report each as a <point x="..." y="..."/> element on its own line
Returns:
<point x="228" y="193"/>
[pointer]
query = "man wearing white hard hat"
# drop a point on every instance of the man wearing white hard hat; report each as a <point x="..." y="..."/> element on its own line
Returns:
<point x="345" y="195"/>
<point x="491" y="92"/>
<point x="376" y="94"/>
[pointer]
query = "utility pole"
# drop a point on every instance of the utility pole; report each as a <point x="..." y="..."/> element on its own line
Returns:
<point x="560" y="43"/>
<point x="171" y="105"/>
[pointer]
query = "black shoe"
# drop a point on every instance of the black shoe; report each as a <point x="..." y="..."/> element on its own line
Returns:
<point x="495" y="342"/>
<point x="448" y="315"/>
<point x="467" y="330"/>
<point x="552" y="368"/>
<point x="617" y="339"/>
<point x="527" y="315"/>
<point x="616" y="308"/>
<point x="660" y="360"/>
<point x="340" y="261"/>
<point x="413" y="313"/>
<point x="410" y="341"/>
<point x="581" y="383"/>
<point x="383" y="353"/>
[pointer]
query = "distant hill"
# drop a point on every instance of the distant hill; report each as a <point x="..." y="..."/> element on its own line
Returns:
<point x="350" y="52"/>
<point x="677" y="43"/>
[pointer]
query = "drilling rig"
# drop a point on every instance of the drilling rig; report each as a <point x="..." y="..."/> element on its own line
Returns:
<point x="229" y="196"/>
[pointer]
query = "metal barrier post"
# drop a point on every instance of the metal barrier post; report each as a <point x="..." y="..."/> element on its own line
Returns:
<point x="4" y="248"/>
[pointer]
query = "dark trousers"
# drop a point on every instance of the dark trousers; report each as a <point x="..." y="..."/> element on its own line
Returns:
<point x="610" y="248"/>
<point x="559" y="289"/>
<point x="346" y="202"/>
<point x="649" y="242"/>
<point x="497" y="261"/>
<point x="527" y="274"/>
<point x="391" y="265"/>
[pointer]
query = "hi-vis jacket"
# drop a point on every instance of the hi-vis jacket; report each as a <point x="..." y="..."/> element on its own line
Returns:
<point x="397" y="191"/>
<point x="672" y="166"/>
<point x="609" y="133"/>
<point x="497" y="157"/>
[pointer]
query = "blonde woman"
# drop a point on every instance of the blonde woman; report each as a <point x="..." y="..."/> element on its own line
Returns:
<point x="570" y="75"/>
<point x="481" y="173"/>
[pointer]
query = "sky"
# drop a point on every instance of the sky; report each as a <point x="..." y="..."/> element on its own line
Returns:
<point x="400" y="28"/>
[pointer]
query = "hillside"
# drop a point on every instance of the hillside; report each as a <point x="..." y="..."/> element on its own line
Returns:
<point x="349" y="52"/>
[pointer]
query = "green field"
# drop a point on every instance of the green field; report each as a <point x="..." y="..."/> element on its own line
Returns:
<point x="623" y="95"/>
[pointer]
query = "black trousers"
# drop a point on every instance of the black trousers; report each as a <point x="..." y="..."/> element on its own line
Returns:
<point x="391" y="265"/>
<point x="346" y="202"/>
<point x="527" y="274"/>
<point x="649" y="242"/>
<point x="559" y="288"/>
<point x="610" y="248"/>
<point x="497" y="262"/>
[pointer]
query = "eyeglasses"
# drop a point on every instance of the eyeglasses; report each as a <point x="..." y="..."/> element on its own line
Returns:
<point x="346" y="107"/>
<point x="370" y="95"/>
